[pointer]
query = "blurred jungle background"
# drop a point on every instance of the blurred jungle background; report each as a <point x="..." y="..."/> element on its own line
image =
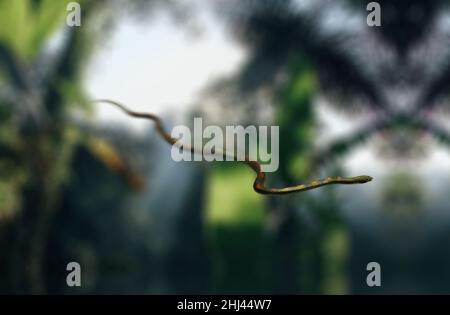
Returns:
<point x="83" y="182"/>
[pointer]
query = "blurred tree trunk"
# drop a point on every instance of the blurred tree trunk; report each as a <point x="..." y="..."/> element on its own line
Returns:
<point x="296" y="120"/>
<point x="285" y="235"/>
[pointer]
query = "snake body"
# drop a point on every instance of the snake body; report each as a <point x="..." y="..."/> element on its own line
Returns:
<point x="259" y="183"/>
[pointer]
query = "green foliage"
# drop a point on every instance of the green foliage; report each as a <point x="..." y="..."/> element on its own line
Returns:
<point x="235" y="225"/>
<point x="36" y="145"/>
<point x="12" y="176"/>
<point x="324" y="247"/>
<point x="296" y="120"/>
<point x="28" y="24"/>
<point x="232" y="199"/>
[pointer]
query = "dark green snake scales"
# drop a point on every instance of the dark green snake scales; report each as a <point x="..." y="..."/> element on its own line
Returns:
<point x="259" y="182"/>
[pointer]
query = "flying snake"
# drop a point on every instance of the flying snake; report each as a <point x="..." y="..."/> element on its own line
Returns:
<point x="259" y="183"/>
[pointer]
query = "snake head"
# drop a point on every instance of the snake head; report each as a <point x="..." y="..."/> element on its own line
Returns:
<point x="363" y="179"/>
